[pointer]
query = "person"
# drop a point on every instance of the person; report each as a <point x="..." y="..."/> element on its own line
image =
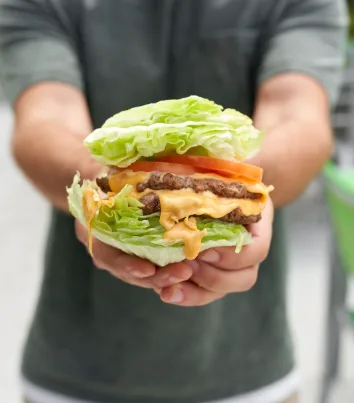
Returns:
<point x="69" y="65"/>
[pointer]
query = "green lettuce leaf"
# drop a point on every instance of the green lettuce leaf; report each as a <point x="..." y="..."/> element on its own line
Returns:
<point x="189" y="125"/>
<point x="125" y="227"/>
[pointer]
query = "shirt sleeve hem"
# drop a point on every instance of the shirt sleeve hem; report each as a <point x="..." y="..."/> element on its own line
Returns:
<point x="330" y="88"/>
<point x="13" y="87"/>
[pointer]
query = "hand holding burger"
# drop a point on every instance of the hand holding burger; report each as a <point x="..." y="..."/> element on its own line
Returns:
<point x="176" y="187"/>
<point x="219" y="271"/>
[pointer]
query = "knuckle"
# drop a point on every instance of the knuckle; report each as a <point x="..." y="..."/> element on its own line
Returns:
<point x="249" y="280"/>
<point x="100" y="259"/>
<point x="105" y="256"/>
<point x="98" y="263"/>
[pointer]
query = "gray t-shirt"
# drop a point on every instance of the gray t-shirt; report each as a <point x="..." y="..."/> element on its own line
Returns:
<point x="94" y="337"/>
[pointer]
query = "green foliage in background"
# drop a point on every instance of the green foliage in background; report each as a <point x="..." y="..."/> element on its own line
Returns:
<point x="351" y="26"/>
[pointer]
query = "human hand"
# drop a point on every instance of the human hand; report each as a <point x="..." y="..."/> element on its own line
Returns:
<point x="219" y="271"/>
<point x="131" y="269"/>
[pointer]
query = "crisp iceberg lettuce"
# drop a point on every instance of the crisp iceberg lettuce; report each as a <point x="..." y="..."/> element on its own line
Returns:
<point x="189" y="125"/>
<point x="123" y="225"/>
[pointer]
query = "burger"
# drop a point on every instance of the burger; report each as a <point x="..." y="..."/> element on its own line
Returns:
<point x="175" y="181"/>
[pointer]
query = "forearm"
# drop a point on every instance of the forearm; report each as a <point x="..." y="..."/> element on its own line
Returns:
<point x="298" y="140"/>
<point x="51" y="124"/>
<point x="49" y="156"/>
<point x="292" y="155"/>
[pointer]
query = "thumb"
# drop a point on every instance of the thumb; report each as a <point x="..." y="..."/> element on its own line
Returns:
<point x="264" y="226"/>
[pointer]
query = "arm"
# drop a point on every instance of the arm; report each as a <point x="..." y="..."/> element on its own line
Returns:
<point x="299" y="78"/>
<point x="51" y="121"/>
<point x="42" y="78"/>
<point x="292" y="109"/>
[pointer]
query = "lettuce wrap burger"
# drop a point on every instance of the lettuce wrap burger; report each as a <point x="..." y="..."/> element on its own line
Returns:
<point x="175" y="184"/>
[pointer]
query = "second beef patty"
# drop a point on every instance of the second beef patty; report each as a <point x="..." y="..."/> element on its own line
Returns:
<point x="151" y="204"/>
<point x="166" y="181"/>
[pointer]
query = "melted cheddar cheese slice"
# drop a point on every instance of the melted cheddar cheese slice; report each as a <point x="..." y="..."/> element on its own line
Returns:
<point x="187" y="232"/>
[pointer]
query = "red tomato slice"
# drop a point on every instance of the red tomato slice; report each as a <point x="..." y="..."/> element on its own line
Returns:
<point x="222" y="167"/>
<point x="177" y="169"/>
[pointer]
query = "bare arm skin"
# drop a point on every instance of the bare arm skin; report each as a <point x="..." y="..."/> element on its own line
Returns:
<point x="51" y="121"/>
<point x="293" y="110"/>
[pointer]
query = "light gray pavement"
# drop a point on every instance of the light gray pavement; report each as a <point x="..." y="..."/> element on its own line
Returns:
<point x="22" y="231"/>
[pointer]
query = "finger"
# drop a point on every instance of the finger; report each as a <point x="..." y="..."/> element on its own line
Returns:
<point x="116" y="261"/>
<point x="225" y="281"/>
<point x="164" y="277"/>
<point x="188" y="294"/>
<point x="112" y="259"/>
<point x="126" y="278"/>
<point x="262" y="227"/>
<point x="227" y="259"/>
<point x="172" y="274"/>
<point x="252" y="254"/>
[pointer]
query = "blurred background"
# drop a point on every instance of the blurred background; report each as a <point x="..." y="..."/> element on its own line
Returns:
<point x="321" y="293"/>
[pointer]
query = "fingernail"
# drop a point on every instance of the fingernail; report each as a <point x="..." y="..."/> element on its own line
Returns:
<point x="211" y="256"/>
<point x="177" y="296"/>
<point x="138" y="274"/>
<point x="194" y="265"/>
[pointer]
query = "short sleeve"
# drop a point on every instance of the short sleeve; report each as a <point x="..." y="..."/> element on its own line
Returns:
<point x="308" y="37"/>
<point x="34" y="47"/>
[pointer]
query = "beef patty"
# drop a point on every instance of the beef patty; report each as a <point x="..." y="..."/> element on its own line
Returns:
<point x="166" y="181"/>
<point x="151" y="204"/>
<point x="103" y="184"/>
<point x="163" y="181"/>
